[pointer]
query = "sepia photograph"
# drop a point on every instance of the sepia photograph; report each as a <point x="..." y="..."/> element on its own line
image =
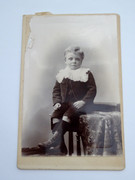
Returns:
<point x="71" y="92"/>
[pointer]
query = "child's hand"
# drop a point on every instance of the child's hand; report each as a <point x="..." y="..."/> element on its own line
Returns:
<point x="56" y="106"/>
<point x="79" y="104"/>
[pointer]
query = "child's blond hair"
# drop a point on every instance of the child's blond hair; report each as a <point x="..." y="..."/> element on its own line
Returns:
<point x="75" y="50"/>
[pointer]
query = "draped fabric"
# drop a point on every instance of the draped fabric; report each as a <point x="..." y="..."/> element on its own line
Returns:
<point x="101" y="133"/>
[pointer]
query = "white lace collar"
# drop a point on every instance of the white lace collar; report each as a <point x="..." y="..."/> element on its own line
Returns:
<point x="80" y="74"/>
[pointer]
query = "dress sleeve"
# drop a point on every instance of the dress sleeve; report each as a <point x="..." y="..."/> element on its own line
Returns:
<point x="56" y="95"/>
<point x="91" y="86"/>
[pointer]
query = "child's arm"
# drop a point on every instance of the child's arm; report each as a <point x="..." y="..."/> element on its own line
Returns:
<point x="56" y="94"/>
<point x="91" y="85"/>
<point x="91" y="93"/>
<point x="56" y="106"/>
<point x="79" y="104"/>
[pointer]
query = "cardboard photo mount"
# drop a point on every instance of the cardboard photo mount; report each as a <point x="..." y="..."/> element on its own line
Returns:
<point x="112" y="162"/>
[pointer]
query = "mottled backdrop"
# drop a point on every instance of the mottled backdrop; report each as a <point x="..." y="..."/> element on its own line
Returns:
<point x="50" y="35"/>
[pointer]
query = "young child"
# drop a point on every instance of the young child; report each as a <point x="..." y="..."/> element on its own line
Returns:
<point x="73" y="95"/>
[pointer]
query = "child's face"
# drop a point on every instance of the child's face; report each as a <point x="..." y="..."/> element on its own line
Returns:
<point x="73" y="61"/>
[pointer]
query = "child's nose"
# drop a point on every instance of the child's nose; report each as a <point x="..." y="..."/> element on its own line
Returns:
<point x="74" y="60"/>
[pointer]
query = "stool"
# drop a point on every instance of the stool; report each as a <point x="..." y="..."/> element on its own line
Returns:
<point x="70" y="142"/>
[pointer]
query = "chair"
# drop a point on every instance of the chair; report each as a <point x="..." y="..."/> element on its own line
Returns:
<point x="70" y="140"/>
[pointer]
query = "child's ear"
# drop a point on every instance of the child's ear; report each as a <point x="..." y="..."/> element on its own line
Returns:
<point x="65" y="61"/>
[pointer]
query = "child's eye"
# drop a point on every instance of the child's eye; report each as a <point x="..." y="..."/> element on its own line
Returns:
<point x="70" y="58"/>
<point x="77" y="59"/>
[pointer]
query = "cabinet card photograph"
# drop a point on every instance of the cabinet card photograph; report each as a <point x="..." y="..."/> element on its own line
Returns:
<point x="71" y="114"/>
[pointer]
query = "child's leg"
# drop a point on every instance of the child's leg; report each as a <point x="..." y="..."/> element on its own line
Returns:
<point x="59" y="127"/>
<point x="56" y="142"/>
<point x="66" y="119"/>
<point x="72" y="115"/>
<point x="58" y="114"/>
<point x="55" y="120"/>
